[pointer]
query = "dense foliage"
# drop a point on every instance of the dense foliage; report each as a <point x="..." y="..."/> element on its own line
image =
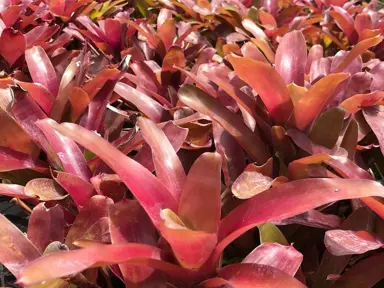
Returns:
<point x="182" y="143"/>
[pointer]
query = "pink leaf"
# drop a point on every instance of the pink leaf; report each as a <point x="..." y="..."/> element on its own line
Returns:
<point x="268" y="83"/>
<point x="67" y="150"/>
<point x="41" y="69"/>
<point x="45" y="226"/>
<point x="375" y="118"/>
<point x="168" y="167"/>
<point x="96" y="208"/>
<point x="79" y="189"/>
<point x="205" y="104"/>
<point x="346" y="242"/>
<point x="291" y="57"/>
<point x="14" y="160"/>
<point x="139" y="180"/>
<point x="152" y="109"/>
<point x="306" y="194"/>
<point x="200" y="205"/>
<point x="284" y="258"/>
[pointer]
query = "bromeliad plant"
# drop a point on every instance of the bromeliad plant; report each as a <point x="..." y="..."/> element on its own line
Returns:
<point x="153" y="151"/>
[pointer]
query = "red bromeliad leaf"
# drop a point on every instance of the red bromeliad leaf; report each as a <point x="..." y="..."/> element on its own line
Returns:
<point x="233" y="158"/>
<point x="306" y="194"/>
<point x="345" y="242"/>
<point x="199" y="206"/>
<point x="344" y="21"/>
<point x="64" y="263"/>
<point x="14" y="190"/>
<point x="358" y="101"/>
<point x="128" y="223"/>
<point x="144" y="103"/>
<point x="14" y="160"/>
<point x="313" y="218"/>
<point x="268" y="83"/>
<point x="79" y="189"/>
<point x="45" y="189"/>
<point x="366" y="273"/>
<point x="316" y="99"/>
<point x="11" y="52"/>
<point x="139" y="180"/>
<point x="45" y="226"/>
<point x="15" y="249"/>
<point x="316" y="52"/>
<point x="284" y="258"/>
<point x="357" y="50"/>
<point x="358" y="220"/>
<point x="41" y="69"/>
<point x="67" y="150"/>
<point x="250" y="275"/>
<point x="205" y="104"/>
<point x="95" y="209"/>
<point x="190" y="254"/>
<point x="40" y="94"/>
<point x="27" y="112"/>
<point x="291" y="57"/>
<point x="168" y="167"/>
<point x="375" y="117"/>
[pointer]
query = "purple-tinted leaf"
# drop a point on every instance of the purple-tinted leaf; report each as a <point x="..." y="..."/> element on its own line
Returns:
<point x="313" y="218"/>
<point x="79" y="189"/>
<point x="97" y="107"/>
<point x="250" y="50"/>
<point x="378" y="81"/>
<point x="344" y="21"/>
<point x="139" y="180"/>
<point x="272" y="6"/>
<point x="354" y="66"/>
<point x="319" y="68"/>
<point x="41" y="69"/>
<point x="356" y="51"/>
<point x="95" y="209"/>
<point x="205" y="104"/>
<point x="199" y="206"/>
<point x="129" y="223"/>
<point x="315" y="53"/>
<point x="15" y="249"/>
<point x="346" y="242"/>
<point x="284" y="258"/>
<point x="168" y="167"/>
<point x="291" y="57"/>
<point x="45" y="226"/>
<point x="67" y="150"/>
<point x="233" y="158"/>
<point x="144" y="103"/>
<point x="40" y="94"/>
<point x="375" y="118"/>
<point x="14" y="160"/>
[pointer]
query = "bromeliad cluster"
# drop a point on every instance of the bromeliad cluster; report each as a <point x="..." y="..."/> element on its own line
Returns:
<point x="198" y="140"/>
